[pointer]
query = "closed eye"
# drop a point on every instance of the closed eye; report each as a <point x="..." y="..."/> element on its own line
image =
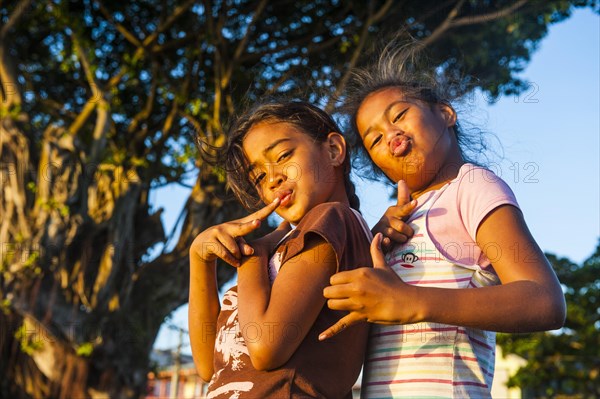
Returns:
<point x="400" y="115"/>
<point x="258" y="179"/>
<point x="377" y="140"/>
<point x="284" y="156"/>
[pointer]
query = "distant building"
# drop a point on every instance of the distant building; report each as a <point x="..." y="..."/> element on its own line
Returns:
<point x="172" y="380"/>
<point x="186" y="384"/>
<point x="505" y="367"/>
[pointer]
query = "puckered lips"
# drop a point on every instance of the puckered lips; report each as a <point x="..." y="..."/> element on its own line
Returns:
<point x="285" y="196"/>
<point x="399" y="145"/>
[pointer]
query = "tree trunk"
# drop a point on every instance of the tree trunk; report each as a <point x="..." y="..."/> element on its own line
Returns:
<point x="75" y="291"/>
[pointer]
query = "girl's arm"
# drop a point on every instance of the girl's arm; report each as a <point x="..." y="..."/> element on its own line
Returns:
<point x="274" y="320"/>
<point x="529" y="299"/>
<point x="202" y="313"/>
<point x="222" y="241"/>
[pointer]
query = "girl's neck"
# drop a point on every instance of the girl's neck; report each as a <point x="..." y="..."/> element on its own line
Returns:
<point x="339" y="194"/>
<point x="340" y="197"/>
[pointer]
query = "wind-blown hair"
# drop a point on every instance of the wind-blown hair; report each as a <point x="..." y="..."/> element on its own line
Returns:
<point x="308" y="118"/>
<point x="403" y="65"/>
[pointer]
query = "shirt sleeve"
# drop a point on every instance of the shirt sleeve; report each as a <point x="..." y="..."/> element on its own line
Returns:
<point x="480" y="192"/>
<point x="327" y="221"/>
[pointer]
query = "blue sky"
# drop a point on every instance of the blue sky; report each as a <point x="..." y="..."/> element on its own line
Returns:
<point x="548" y="138"/>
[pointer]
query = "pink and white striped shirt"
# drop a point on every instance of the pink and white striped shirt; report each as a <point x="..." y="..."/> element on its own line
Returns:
<point x="433" y="360"/>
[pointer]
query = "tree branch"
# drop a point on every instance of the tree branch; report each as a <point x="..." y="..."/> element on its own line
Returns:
<point x="57" y="109"/>
<point x="318" y="30"/>
<point x="83" y="116"/>
<point x="477" y="19"/>
<point x="130" y="37"/>
<point x="96" y="102"/>
<point x="169" y="22"/>
<point x="85" y="64"/>
<point x="100" y="130"/>
<point x="159" y="144"/>
<point x="147" y="110"/>
<point x="282" y="79"/>
<point x="444" y="26"/>
<point x="371" y="19"/>
<point x="243" y="43"/>
<point x="16" y="15"/>
<point x="174" y="44"/>
<point x="453" y="22"/>
<point x="432" y="11"/>
<point x="193" y="121"/>
<point x="8" y="82"/>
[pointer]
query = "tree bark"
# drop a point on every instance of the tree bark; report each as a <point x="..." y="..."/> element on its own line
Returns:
<point x="101" y="328"/>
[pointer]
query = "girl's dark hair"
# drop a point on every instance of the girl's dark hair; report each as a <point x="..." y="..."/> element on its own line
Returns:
<point x="402" y="64"/>
<point x="306" y="117"/>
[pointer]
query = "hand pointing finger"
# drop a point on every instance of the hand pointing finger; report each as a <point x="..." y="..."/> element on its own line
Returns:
<point x="340" y="326"/>
<point x="393" y="224"/>
<point x="248" y="224"/>
<point x="263" y="212"/>
<point x="226" y="240"/>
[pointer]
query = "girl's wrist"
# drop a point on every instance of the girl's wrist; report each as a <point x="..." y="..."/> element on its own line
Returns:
<point x="196" y="253"/>
<point x="197" y="261"/>
<point x="418" y="311"/>
<point x="422" y="310"/>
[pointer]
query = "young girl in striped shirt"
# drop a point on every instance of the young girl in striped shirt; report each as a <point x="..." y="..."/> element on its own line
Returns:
<point x="468" y="265"/>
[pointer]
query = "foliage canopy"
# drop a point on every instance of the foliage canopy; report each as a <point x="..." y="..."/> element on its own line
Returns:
<point x="566" y="362"/>
<point x="101" y="101"/>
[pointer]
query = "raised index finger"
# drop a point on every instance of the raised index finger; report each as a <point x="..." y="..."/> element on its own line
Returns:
<point x="403" y="193"/>
<point x="263" y="212"/>
<point x="376" y="253"/>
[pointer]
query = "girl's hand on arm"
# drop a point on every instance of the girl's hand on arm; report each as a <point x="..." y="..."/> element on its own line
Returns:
<point x="226" y="240"/>
<point x="223" y="241"/>
<point x="274" y="320"/>
<point x="369" y="294"/>
<point x="393" y="224"/>
<point x="529" y="299"/>
<point x="267" y="244"/>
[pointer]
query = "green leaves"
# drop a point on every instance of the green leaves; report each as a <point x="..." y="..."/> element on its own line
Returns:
<point x="85" y="349"/>
<point x="167" y="71"/>
<point x="566" y="362"/>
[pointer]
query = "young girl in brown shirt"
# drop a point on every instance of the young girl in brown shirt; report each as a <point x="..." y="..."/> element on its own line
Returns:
<point x="263" y="341"/>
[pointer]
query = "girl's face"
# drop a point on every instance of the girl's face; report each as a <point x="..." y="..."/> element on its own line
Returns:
<point x="408" y="139"/>
<point x="287" y="163"/>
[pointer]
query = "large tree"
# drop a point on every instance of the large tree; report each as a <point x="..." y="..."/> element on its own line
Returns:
<point x="101" y="101"/>
<point x="566" y="362"/>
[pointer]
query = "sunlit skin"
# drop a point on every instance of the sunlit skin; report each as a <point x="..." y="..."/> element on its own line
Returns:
<point x="410" y="140"/>
<point x="223" y="241"/>
<point x="414" y="142"/>
<point x="288" y="164"/>
<point x="292" y="174"/>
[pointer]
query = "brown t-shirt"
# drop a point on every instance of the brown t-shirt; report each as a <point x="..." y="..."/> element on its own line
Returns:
<point x="326" y="369"/>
